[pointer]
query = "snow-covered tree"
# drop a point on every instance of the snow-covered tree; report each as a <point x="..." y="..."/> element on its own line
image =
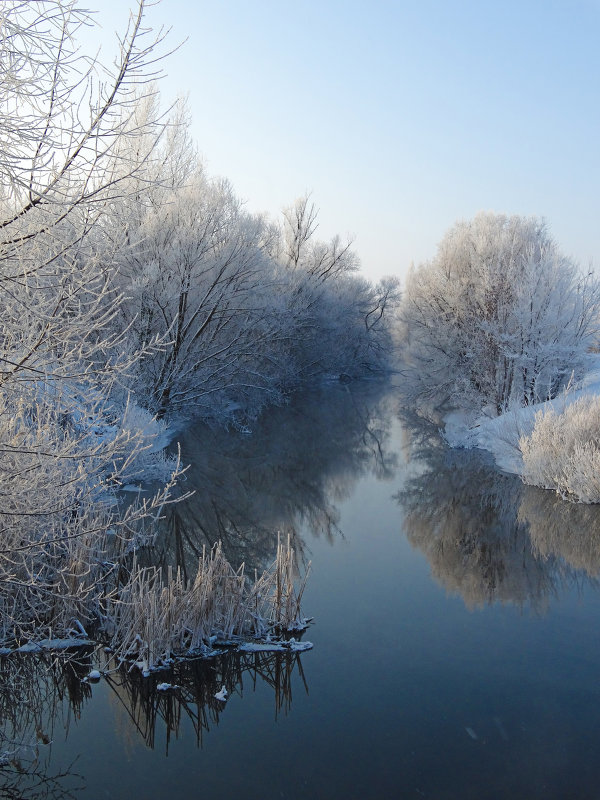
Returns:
<point x="342" y="322"/>
<point x="66" y="446"/>
<point x="498" y="317"/>
<point x="197" y="275"/>
<point x="248" y="310"/>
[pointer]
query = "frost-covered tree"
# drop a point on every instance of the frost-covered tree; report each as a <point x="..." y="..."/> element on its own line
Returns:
<point x="66" y="446"/>
<point x="498" y="317"/>
<point x="248" y="310"/>
<point x="65" y="167"/>
<point x="350" y="326"/>
<point x="321" y="260"/>
<point x="197" y="276"/>
<point x="342" y="321"/>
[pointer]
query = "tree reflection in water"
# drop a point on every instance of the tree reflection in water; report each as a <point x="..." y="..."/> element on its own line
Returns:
<point x="561" y="528"/>
<point x="39" y="698"/>
<point x="488" y="537"/>
<point x="289" y="473"/>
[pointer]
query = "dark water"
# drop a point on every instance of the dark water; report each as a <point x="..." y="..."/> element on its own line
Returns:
<point x="456" y="639"/>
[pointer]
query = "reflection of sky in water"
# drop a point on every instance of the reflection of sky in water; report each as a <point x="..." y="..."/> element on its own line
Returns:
<point x="481" y="683"/>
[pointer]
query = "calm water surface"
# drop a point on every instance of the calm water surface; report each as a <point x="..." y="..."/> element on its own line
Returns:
<point x="456" y="644"/>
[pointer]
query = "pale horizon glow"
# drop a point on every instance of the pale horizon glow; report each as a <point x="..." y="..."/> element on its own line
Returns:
<point x="399" y="117"/>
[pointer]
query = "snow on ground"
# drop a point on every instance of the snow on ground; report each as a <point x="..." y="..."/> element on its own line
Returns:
<point x="48" y="645"/>
<point x="274" y="647"/>
<point x="500" y="435"/>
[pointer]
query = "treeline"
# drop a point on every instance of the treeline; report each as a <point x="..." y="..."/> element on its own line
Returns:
<point x="247" y="309"/>
<point x="133" y="287"/>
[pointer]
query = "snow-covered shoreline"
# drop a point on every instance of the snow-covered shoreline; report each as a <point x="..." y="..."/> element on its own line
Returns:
<point x="500" y="435"/>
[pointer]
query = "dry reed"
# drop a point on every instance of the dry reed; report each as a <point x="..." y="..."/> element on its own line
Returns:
<point x="156" y="616"/>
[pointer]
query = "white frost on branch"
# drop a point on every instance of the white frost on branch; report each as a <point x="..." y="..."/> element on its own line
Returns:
<point x="498" y="319"/>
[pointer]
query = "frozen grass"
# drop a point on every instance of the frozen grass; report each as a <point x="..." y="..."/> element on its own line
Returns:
<point x="554" y="445"/>
<point x="158" y="616"/>
<point x="563" y="450"/>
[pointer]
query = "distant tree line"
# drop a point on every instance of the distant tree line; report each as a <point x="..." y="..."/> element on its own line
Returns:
<point x="248" y="309"/>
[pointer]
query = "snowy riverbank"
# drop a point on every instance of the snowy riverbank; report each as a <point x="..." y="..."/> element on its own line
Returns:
<point x="501" y="435"/>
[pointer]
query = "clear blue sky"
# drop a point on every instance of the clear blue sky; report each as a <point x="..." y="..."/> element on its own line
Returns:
<point x="400" y="117"/>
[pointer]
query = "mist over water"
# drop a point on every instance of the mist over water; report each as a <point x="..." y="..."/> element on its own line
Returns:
<point x="454" y="656"/>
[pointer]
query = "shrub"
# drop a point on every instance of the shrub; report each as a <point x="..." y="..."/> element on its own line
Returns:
<point x="563" y="451"/>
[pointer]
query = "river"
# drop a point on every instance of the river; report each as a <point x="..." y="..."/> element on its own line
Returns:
<point x="456" y="649"/>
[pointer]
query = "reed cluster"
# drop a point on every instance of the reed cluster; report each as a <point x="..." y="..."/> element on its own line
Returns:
<point x="158" y="615"/>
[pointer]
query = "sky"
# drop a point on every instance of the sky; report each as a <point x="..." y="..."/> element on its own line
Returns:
<point x="400" y="117"/>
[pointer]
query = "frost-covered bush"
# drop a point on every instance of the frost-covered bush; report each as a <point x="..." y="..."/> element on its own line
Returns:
<point x="563" y="451"/>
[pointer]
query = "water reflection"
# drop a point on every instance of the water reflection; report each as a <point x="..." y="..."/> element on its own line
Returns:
<point x="32" y="782"/>
<point x="561" y="528"/>
<point x="148" y="709"/>
<point x="488" y="537"/>
<point x="298" y="463"/>
<point x="43" y="697"/>
<point x="40" y="697"/>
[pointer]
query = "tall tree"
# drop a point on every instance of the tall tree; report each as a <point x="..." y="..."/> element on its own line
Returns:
<point x="498" y="317"/>
<point x="199" y="277"/>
